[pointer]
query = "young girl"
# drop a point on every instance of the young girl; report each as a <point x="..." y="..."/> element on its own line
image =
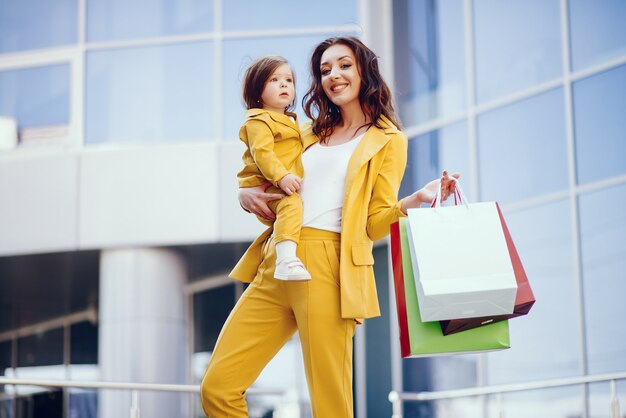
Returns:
<point x="274" y="154"/>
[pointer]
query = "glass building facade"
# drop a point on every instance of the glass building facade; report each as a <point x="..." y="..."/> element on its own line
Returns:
<point x="526" y="98"/>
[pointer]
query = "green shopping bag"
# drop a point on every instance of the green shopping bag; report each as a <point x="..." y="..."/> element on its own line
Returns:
<point x="424" y="339"/>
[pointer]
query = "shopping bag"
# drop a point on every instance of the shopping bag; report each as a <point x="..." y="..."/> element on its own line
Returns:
<point x="524" y="299"/>
<point x="424" y="339"/>
<point x="461" y="261"/>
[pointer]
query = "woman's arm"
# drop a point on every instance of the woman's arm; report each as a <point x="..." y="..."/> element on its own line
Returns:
<point x="384" y="208"/>
<point x="255" y="199"/>
<point x="427" y="193"/>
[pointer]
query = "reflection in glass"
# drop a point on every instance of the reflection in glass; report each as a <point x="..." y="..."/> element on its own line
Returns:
<point x="36" y="96"/>
<point x="543" y="345"/>
<point x="431" y="153"/>
<point x="240" y="53"/>
<point x="281" y="14"/>
<point x="37" y="24"/>
<point x="162" y="93"/>
<point x="600" y="125"/>
<point x="430" y="70"/>
<point x="518" y="45"/>
<point x="603" y="246"/>
<point x="522" y="149"/>
<point x="597" y="31"/>
<point x="112" y="20"/>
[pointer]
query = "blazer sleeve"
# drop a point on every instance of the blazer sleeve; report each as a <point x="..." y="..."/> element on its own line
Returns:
<point x="261" y="143"/>
<point x="384" y="207"/>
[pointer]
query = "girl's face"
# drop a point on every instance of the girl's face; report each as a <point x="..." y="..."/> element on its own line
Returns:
<point x="341" y="80"/>
<point x="279" y="91"/>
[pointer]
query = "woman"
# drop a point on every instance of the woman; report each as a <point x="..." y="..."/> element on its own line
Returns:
<point x="354" y="162"/>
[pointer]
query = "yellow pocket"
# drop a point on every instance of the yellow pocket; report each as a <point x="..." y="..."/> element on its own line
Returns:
<point x="362" y="255"/>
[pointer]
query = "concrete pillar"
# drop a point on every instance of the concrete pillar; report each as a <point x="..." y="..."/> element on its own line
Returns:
<point x="143" y="329"/>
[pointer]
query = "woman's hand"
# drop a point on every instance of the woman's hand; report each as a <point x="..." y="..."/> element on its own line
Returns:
<point x="427" y="193"/>
<point x="255" y="199"/>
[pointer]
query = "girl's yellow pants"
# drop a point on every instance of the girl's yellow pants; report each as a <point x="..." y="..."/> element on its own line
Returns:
<point x="267" y="315"/>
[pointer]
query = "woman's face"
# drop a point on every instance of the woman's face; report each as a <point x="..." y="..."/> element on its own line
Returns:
<point x="341" y="80"/>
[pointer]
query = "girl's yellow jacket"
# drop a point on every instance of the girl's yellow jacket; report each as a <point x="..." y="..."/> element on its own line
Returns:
<point x="370" y="205"/>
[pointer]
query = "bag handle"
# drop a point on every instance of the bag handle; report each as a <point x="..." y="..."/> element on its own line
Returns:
<point x="459" y="195"/>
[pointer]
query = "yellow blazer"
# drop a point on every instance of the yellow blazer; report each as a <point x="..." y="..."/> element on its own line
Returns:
<point x="370" y="205"/>
<point x="273" y="147"/>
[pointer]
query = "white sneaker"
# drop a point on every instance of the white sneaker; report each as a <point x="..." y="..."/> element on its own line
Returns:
<point x="291" y="269"/>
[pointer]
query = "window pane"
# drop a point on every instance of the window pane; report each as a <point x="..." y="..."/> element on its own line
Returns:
<point x="430" y="154"/>
<point x="600" y="397"/>
<point x="560" y="402"/>
<point x="160" y="93"/>
<point x="279" y="14"/>
<point x="211" y="308"/>
<point x="599" y="109"/>
<point x="42" y="349"/>
<point x="35" y="24"/>
<point x="36" y="96"/>
<point x="430" y="72"/>
<point x="518" y="45"/>
<point x="544" y="345"/>
<point x="84" y="343"/>
<point x="5" y="357"/>
<point x="239" y="54"/>
<point x="522" y="149"/>
<point x="597" y="31"/>
<point x="441" y="373"/>
<point x="109" y="20"/>
<point x="603" y="245"/>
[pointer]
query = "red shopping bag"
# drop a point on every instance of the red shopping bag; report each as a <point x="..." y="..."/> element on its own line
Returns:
<point x="396" y="260"/>
<point x="524" y="299"/>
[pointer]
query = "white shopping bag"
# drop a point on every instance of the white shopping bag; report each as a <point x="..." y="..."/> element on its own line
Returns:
<point x="461" y="262"/>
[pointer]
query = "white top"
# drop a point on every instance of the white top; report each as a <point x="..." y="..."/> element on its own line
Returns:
<point x="324" y="184"/>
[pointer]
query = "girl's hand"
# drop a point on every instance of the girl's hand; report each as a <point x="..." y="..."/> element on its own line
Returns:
<point x="427" y="193"/>
<point x="290" y="184"/>
<point x="254" y="200"/>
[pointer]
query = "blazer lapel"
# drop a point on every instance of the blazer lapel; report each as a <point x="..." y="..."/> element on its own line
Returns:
<point x="373" y="141"/>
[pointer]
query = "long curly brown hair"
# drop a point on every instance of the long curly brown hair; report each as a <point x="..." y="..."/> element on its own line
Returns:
<point x="374" y="96"/>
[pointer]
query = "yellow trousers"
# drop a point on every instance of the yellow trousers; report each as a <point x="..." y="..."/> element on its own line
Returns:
<point x="267" y="315"/>
<point x="288" y="212"/>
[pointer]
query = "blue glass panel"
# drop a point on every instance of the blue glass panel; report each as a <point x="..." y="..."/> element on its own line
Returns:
<point x="239" y="54"/>
<point x="518" y="45"/>
<point x="603" y="244"/>
<point x="597" y="31"/>
<point x="161" y="93"/>
<point x="36" y="96"/>
<point x="35" y="24"/>
<point x="544" y="345"/>
<point x="430" y="70"/>
<point x="279" y="14"/>
<point x="600" y="125"/>
<point x="430" y="154"/>
<point x="109" y="20"/>
<point x="523" y="149"/>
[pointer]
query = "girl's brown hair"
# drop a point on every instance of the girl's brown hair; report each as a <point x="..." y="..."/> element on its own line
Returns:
<point x="375" y="96"/>
<point x="257" y="75"/>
